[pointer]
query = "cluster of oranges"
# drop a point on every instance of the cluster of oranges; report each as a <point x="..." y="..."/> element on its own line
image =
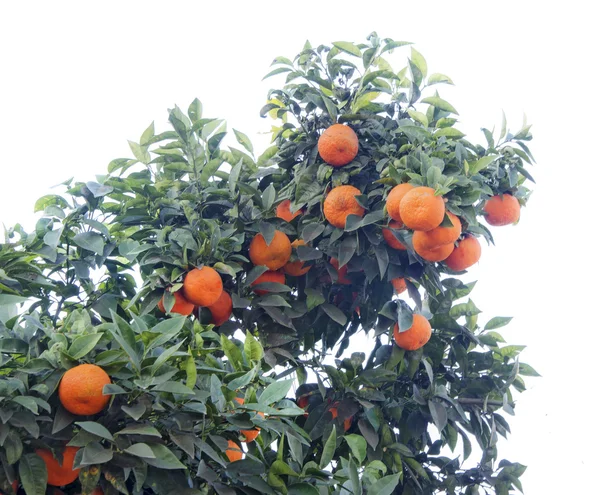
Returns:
<point x="202" y="287"/>
<point x="417" y="209"/>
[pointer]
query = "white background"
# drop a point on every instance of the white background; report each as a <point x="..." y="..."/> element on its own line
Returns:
<point x="77" y="79"/>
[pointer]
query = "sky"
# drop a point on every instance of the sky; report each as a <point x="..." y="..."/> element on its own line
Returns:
<point x="78" y="79"/>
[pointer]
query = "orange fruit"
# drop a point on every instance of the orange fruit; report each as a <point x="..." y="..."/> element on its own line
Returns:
<point x="272" y="276"/>
<point x="249" y="435"/>
<point x="98" y="491"/>
<point x="390" y="238"/>
<point x="416" y="336"/>
<point x="296" y="268"/>
<point x="202" y="286"/>
<point x="234" y="452"/>
<point x="221" y="310"/>
<point x="439" y="253"/>
<point x="440" y="235"/>
<point x="466" y="254"/>
<point x="341" y="202"/>
<point x="399" y="285"/>
<point x="338" y="145"/>
<point x="342" y="272"/>
<point x="182" y="306"/>
<point x="420" y="209"/>
<point x="503" y="209"/>
<point x="80" y="390"/>
<point x="283" y="211"/>
<point x="392" y="203"/>
<point x="275" y="255"/>
<point x="59" y="475"/>
<point x="347" y="421"/>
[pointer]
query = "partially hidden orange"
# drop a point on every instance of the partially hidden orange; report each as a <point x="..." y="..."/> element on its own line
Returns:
<point x="221" y="310"/>
<point x="392" y="203"/>
<point x="421" y="209"/>
<point x="284" y="212"/>
<point x="340" y="203"/>
<point x="465" y="254"/>
<point x="60" y="474"/>
<point x="234" y="452"/>
<point x="416" y="336"/>
<point x="341" y="272"/>
<point x="399" y="285"/>
<point x="390" y="238"/>
<point x="296" y="268"/>
<point x="440" y="235"/>
<point x="274" y="255"/>
<point x="249" y="435"/>
<point x="202" y="286"/>
<point x="182" y="306"/>
<point x="269" y="276"/>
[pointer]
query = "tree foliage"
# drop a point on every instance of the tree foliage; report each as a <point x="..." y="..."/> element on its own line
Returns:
<point x="84" y="287"/>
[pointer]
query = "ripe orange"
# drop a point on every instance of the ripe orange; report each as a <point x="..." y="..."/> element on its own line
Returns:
<point x="234" y="452"/>
<point x="275" y="255"/>
<point x="80" y="389"/>
<point x="283" y="211"/>
<point x="249" y="435"/>
<point x="59" y="475"/>
<point x="182" y="306"/>
<point x="466" y="254"/>
<point x="338" y="145"/>
<point x="296" y="268"/>
<point x="416" y="336"/>
<point x="390" y="238"/>
<point x="503" y="209"/>
<point x="392" y="203"/>
<point x="420" y="209"/>
<point x="202" y="286"/>
<point x="440" y="235"/>
<point x="342" y="272"/>
<point x="272" y="276"/>
<point x="341" y="202"/>
<point x="399" y="285"/>
<point x="334" y="414"/>
<point x="436" y="254"/>
<point x="221" y="310"/>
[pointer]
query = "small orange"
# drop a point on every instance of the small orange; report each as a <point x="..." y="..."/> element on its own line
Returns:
<point x="271" y="276"/>
<point x="60" y="474"/>
<point x="390" y="238"/>
<point x="466" y="254"/>
<point x="275" y="255"/>
<point x="182" y="306"/>
<point x="421" y="209"/>
<point x="338" y="145"/>
<point x="342" y="272"/>
<point x="234" y="452"/>
<point x="416" y="336"/>
<point x="284" y="212"/>
<point x="80" y="389"/>
<point x="341" y="202"/>
<point x="221" y="310"/>
<point x="297" y="268"/>
<point x="392" y="203"/>
<point x="249" y="435"/>
<point x="439" y="253"/>
<point x="399" y="285"/>
<point x="440" y="235"/>
<point x="503" y="209"/>
<point x="202" y="286"/>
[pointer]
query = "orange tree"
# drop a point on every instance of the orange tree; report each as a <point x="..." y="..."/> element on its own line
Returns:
<point x="268" y="325"/>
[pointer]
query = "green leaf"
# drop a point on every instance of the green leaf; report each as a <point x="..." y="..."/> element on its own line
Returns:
<point x="195" y="110"/>
<point x="252" y="348"/>
<point x="497" y="322"/>
<point x="50" y="200"/>
<point x="437" y="102"/>
<point x="243" y="140"/>
<point x="419" y="117"/>
<point x="438" y="78"/>
<point x="164" y="357"/>
<point x="140" y="450"/>
<point x="418" y="59"/>
<point x="363" y="100"/>
<point x="232" y="351"/>
<point x="302" y="489"/>
<point x="83" y="344"/>
<point x="94" y="453"/>
<point x="314" y="298"/>
<point x="385" y="486"/>
<point x="449" y="132"/>
<point x="348" y="47"/>
<point x="394" y="44"/>
<point x="96" y="429"/>
<point x="439" y="414"/>
<point x="328" y="449"/>
<point x="163" y="458"/>
<point x="90" y="241"/>
<point x="33" y="474"/>
<point x="173" y="388"/>
<point x="139" y="429"/>
<point x="485" y="162"/>
<point x="26" y="402"/>
<point x="358" y="446"/>
<point x="335" y="314"/>
<point x="140" y="152"/>
<point x="275" y="392"/>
